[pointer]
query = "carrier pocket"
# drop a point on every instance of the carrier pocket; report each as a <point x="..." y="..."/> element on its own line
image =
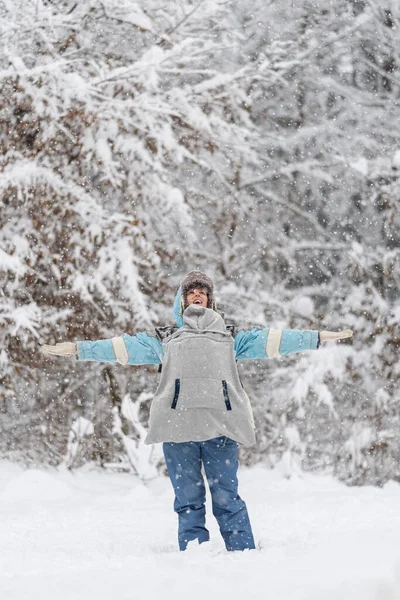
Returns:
<point x="226" y="395"/>
<point x="186" y="394"/>
<point x="176" y="394"/>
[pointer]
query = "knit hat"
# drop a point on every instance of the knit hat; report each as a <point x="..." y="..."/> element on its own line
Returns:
<point x="198" y="279"/>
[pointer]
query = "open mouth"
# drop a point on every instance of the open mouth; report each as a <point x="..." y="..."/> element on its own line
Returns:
<point x="197" y="301"/>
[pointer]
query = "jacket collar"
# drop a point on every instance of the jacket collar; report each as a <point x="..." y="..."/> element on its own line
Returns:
<point x="201" y="318"/>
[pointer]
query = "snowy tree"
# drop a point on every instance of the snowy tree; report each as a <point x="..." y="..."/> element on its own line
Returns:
<point x="111" y="119"/>
<point x="330" y="131"/>
<point x="255" y="140"/>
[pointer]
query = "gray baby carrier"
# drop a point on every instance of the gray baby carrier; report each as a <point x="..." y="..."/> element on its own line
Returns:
<point x="200" y="395"/>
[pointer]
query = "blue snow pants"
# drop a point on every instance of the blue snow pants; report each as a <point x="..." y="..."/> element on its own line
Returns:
<point x="220" y="459"/>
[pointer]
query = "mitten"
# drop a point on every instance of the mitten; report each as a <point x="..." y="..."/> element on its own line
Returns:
<point x="61" y="349"/>
<point x="326" y="336"/>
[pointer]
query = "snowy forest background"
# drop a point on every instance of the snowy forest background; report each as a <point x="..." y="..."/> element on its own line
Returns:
<point x="257" y="140"/>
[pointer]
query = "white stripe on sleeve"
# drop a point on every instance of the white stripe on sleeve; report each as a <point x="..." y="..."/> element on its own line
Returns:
<point x="120" y="351"/>
<point x="273" y="342"/>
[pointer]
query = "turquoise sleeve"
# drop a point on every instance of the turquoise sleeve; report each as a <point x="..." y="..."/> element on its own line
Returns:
<point x="298" y="340"/>
<point x="101" y="351"/>
<point x="143" y="349"/>
<point x="252" y="344"/>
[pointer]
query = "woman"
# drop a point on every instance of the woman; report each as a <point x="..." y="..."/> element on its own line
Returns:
<point x="200" y="410"/>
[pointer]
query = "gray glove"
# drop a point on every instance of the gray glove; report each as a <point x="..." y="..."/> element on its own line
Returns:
<point x="61" y="349"/>
<point x="326" y="336"/>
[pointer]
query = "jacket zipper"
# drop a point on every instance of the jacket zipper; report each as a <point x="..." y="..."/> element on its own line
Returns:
<point x="176" y="394"/>
<point x="226" y="395"/>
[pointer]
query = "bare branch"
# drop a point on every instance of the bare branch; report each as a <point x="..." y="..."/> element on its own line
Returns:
<point x="185" y="18"/>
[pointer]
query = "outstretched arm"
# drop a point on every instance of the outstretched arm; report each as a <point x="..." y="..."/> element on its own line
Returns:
<point x="267" y="343"/>
<point x="139" y="349"/>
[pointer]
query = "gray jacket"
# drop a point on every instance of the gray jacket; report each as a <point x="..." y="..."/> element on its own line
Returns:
<point x="200" y="396"/>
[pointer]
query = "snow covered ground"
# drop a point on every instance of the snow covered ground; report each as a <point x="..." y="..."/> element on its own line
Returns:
<point x="92" y="535"/>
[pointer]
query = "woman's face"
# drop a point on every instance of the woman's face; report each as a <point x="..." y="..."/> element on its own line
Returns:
<point x="198" y="296"/>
